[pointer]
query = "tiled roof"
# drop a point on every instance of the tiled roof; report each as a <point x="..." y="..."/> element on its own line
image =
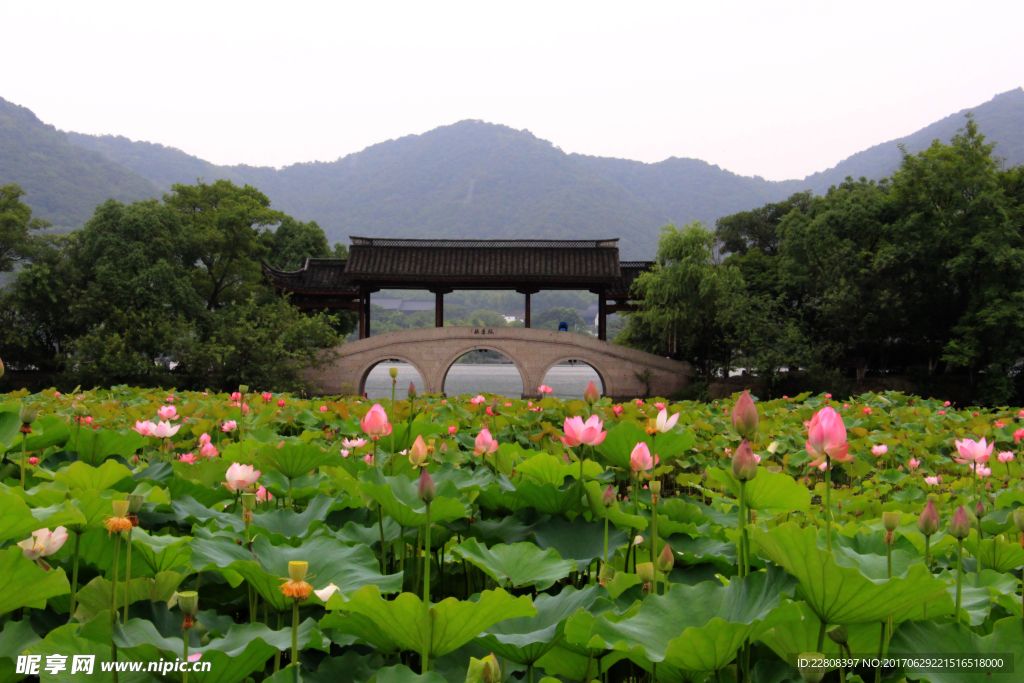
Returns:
<point x="630" y="272"/>
<point x="317" y="276"/>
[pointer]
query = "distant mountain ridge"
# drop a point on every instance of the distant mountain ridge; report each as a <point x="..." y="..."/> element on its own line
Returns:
<point x="468" y="179"/>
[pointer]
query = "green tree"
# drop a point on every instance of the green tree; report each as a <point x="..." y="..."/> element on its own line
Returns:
<point x="16" y="227"/>
<point x="292" y="241"/>
<point x="758" y="228"/>
<point x="551" y="318"/>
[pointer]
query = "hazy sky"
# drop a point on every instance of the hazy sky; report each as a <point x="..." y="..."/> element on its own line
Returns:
<point x="777" y="89"/>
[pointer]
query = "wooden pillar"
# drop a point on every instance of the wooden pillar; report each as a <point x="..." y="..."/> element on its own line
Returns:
<point x="526" y="315"/>
<point x="366" y="315"/>
<point x="602" y="317"/>
<point x="362" y="315"/>
<point x="439" y="308"/>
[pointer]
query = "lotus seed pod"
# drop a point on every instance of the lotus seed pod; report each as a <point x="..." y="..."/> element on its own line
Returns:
<point x="811" y="667"/>
<point x="645" y="571"/>
<point x="393" y="372"/>
<point x="744" y="416"/>
<point x="81" y="411"/>
<point x="606" y="574"/>
<point x="188" y="602"/>
<point x="243" y="389"/>
<point x="248" y="501"/>
<point x="928" y="522"/>
<point x="120" y="508"/>
<point x="608" y="497"/>
<point x="890" y="520"/>
<point x="837" y="634"/>
<point x="1018" y="519"/>
<point x="655" y="487"/>
<point x="297" y="570"/>
<point x="135" y="502"/>
<point x="666" y="559"/>
<point x="744" y="462"/>
<point x="426" y="489"/>
<point x="27" y="415"/>
<point x="960" y="525"/>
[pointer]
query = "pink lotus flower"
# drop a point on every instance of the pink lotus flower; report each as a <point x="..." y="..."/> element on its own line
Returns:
<point x="452" y="429"/>
<point x="208" y="450"/>
<point x="1018" y="435"/>
<point x="263" y="495"/>
<point x="323" y="409"/>
<point x="578" y="432"/>
<point x="942" y="412"/>
<point x="508" y="405"/>
<point x="165" y="430"/>
<point x="880" y="450"/>
<point x="913" y="464"/>
<point x="204" y="439"/>
<point x="195" y="657"/>
<point x="43" y="543"/>
<point x="544" y="389"/>
<point x="827" y="437"/>
<point x="490" y="412"/>
<point x="188" y="458"/>
<point x="984" y="471"/>
<point x="418" y="452"/>
<point x="947" y="404"/>
<point x="167" y="413"/>
<point x="229" y="426"/>
<point x="368" y="459"/>
<point x="245" y="409"/>
<point x="266" y="396"/>
<point x="236" y="396"/>
<point x="345" y="452"/>
<point x="976" y="452"/>
<point x="375" y="423"/>
<point x="659" y="406"/>
<point x="664" y="422"/>
<point x="639" y="403"/>
<point x="353" y="443"/>
<point x="1005" y="457"/>
<point x="484" y="443"/>
<point x="846" y="405"/>
<point x="932" y="481"/>
<point x="280" y="403"/>
<point x="617" y="410"/>
<point x="640" y="459"/>
<point x="828" y="395"/>
<point x="33" y="461"/>
<point x="866" y="411"/>
<point x="144" y="428"/>
<point x="478" y="400"/>
<point x="240" y="477"/>
<point x="170" y="399"/>
<point x="999" y="424"/>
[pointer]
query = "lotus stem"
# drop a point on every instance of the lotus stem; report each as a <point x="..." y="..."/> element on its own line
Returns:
<point x="184" y="656"/>
<point x="295" y="637"/>
<point x="383" y="548"/>
<point x="394" y="381"/>
<point x="606" y="538"/>
<point x="959" y="574"/>
<point x="113" y="600"/>
<point x="74" y="574"/>
<point x="741" y="541"/>
<point x="425" y="656"/>
<point x="24" y="437"/>
<point x="928" y="551"/>
<point x="828" y="504"/>
<point x="654" y="538"/>
<point x="128" y="576"/>
<point x="277" y="653"/>
<point x="821" y="635"/>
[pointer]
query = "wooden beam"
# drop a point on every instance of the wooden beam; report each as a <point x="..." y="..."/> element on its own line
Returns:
<point x="439" y="308"/>
<point x="526" y="318"/>
<point x="620" y="308"/>
<point x="602" y="317"/>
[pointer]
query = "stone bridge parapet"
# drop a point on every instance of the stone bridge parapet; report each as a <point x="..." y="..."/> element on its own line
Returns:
<point x="433" y="351"/>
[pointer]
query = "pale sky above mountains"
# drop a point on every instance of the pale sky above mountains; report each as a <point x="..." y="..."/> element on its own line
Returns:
<point x="780" y="89"/>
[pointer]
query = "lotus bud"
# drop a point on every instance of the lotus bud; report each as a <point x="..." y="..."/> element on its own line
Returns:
<point x="890" y="520"/>
<point x="1018" y="519"/>
<point x="491" y="672"/>
<point x="426" y="489"/>
<point x="248" y="501"/>
<point x="608" y="497"/>
<point x="606" y="574"/>
<point x="810" y="672"/>
<point x="666" y="559"/>
<point x="744" y="416"/>
<point x="645" y="571"/>
<point x="744" y="464"/>
<point x="591" y="394"/>
<point x="297" y="570"/>
<point x="494" y="406"/>
<point x="960" y="525"/>
<point x="928" y="522"/>
<point x="27" y="415"/>
<point x="979" y="510"/>
<point x="1" y="368"/>
<point x="120" y="508"/>
<point x="134" y="503"/>
<point x="188" y="602"/>
<point x="443" y="448"/>
<point x="837" y="634"/>
<point x="412" y="390"/>
<point x="243" y="389"/>
<point x="393" y="372"/>
<point x="81" y="410"/>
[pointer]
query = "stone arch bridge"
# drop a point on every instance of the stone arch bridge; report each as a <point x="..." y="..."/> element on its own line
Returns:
<point x="433" y="351"/>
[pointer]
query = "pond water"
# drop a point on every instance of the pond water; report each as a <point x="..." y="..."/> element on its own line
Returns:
<point x="568" y="381"/>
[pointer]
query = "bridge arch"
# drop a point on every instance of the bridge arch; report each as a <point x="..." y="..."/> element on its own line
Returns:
<point x="368" y="367"/>
<point x="450" y="361"/>
<point x="606" y="389"/>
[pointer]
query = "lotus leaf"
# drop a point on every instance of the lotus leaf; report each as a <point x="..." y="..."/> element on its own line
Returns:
<point x="517" y="564"/>
<point x="925" y="637"/>
<point x="23" y="584"/>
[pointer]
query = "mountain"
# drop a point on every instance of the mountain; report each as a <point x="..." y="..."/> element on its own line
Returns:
<point x="469" y="179"/>
<point x="63" y="182"/>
